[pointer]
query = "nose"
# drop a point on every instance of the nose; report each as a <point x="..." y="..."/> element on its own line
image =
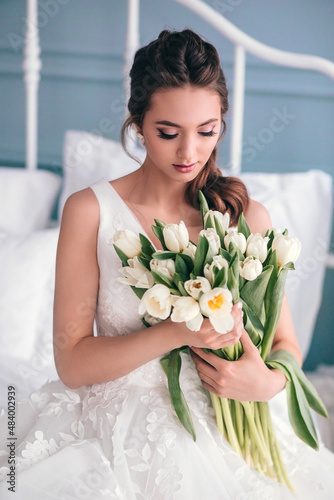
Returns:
<point x="187" y="149"/>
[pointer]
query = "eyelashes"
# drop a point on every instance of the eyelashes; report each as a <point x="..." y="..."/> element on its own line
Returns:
<point x="168" y="137"/>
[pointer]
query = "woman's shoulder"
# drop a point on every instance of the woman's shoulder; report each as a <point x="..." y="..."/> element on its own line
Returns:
<point x="81" y="208"/>
<point x="257" y="217"/>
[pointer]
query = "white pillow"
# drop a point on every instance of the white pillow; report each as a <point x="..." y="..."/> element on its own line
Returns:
<point x="27" y="270"/>
<point x="26" y="199"/>
<point x="88" y="158"/>
<point x="302" y="203"/>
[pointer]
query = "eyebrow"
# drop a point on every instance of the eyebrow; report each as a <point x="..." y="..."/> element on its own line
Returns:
<point x="171" y="124"/>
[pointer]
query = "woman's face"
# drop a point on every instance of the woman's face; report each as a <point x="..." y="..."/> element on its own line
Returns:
<point x="180" y="130"/>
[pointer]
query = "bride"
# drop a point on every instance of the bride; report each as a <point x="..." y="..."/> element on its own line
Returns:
<point x="106" y="429"/>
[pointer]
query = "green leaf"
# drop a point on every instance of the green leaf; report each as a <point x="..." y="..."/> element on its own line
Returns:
<point x="179" y="283"/>
<point x="298" y="399"/>
<point x="299" y="414"/>
<point x="200" y="255"/>
<point x="181" y="268"/>
<point x="122" y="256"/>
<point x="273" y="304"/>
<point x="243" y="226"/>
<point x="233" y="277"/>
<point x="209" y="256"/>
<point x="271" y="260"/>
<point x="203" y="205"/>
<point x="288" y="361"/>
<point x="159" y="223"/>
<point x="146" y="245"/>
<point x="225" y="254"/>
<point x="164" y="255"/>
<point x="144" y="262"/>
<point x="253" y="292"/>
<point x="290" y="266"/>
<point x="145" y="323"/>
<point x="162" y="279"/>
<point x="178" y="400"/>
<point x="220" y="278"/>
<point x="209" y="223"/>
<point x="164" y="363"/>
<point x="221" y="233"/>
<point x="188" y="260"/>
<point x="159" y="234"/>
<point x="253" y="325"/>
<point x="138" y="291"/>
<point x="233" y="249"/>
<point x="312" y="395"/>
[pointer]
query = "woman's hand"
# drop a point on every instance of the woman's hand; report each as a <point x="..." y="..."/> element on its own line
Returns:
<point x="247" y="379"/>
<point x="207" y="337"/>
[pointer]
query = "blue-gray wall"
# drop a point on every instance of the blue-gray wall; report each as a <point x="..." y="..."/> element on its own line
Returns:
<point x="81" y="85"/>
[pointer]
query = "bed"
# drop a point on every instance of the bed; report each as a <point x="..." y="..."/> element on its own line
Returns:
<point x="28" y="236"/>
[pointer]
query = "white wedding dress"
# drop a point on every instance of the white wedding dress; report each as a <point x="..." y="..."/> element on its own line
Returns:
<point x="122" y="440"/>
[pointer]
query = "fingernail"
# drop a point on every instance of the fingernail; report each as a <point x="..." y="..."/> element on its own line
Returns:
<point x="239" y="305"/>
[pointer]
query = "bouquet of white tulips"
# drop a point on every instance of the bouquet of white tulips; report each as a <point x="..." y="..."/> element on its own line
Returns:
<point x="188" y="282"/>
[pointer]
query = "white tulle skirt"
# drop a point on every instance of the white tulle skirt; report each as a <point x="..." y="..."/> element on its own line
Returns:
<point x="122" y="440"/>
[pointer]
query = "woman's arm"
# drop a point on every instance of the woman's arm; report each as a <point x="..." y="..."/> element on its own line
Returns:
<point x="81" y="358"/>
<point x="249" y="379"/>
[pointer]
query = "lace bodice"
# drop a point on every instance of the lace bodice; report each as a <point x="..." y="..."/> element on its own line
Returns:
<point x="117" y="306"/>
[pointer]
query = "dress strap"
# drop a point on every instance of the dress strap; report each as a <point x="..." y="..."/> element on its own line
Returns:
<point x="109" y="206"/>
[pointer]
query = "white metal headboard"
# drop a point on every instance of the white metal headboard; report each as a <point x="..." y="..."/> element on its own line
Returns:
<point x="243" y="43"/>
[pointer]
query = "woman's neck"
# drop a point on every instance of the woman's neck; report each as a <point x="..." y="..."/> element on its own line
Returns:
<point x="157" y="191"/>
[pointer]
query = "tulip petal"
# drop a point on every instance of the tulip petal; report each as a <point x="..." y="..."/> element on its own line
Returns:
<point x="222" y="323"/>
<point x="195" y="324"/>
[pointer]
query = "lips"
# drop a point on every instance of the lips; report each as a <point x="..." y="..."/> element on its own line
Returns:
<point x="184" y="168"/>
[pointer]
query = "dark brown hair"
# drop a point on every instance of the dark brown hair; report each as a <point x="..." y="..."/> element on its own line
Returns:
<point x="176" y="59"/>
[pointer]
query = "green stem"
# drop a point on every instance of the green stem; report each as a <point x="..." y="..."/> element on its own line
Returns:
<point x="232" y="437"/>
<point x="218" y="411"/>
<point x="247" y="450"/>
<point x="279" y="467"/>
<point x="266" y="461"/>
<point x="239" y="423"/>
<point x="265" y="421"/>
<point x="254" y="434"/>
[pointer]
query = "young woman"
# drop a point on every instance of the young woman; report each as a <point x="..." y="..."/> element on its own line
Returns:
<point x="107" y="428"/>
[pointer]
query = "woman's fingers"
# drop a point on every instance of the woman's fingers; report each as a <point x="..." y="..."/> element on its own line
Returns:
<point x="205" y="367"/>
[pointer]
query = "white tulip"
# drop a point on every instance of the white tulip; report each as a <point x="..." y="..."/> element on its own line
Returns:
<point x="238" y="239"/>
<point x="250" y="268"/>
<point x="190" y="250"/>
<point x="287" y="249"/>
<point x="275" y="229"/>
<point x="157" y="301"/>
<point x="223" y="219"/>
<point x="176" y="236"/>
<point x="184" y="309"/>
<point x="216" y="305"/>
<point x="197" y="286"/>
<point x="219" y="262"/>
<point x="166" y="267"/>
<point x="136" y="275"/>
<point x="128" y="242"/>
<point x="151" y="320"/>
<point x="257" y="246"/>
<point x="213" y="239"/>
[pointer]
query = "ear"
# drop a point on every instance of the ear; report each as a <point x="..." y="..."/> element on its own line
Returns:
<point x="138" y="130"/>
